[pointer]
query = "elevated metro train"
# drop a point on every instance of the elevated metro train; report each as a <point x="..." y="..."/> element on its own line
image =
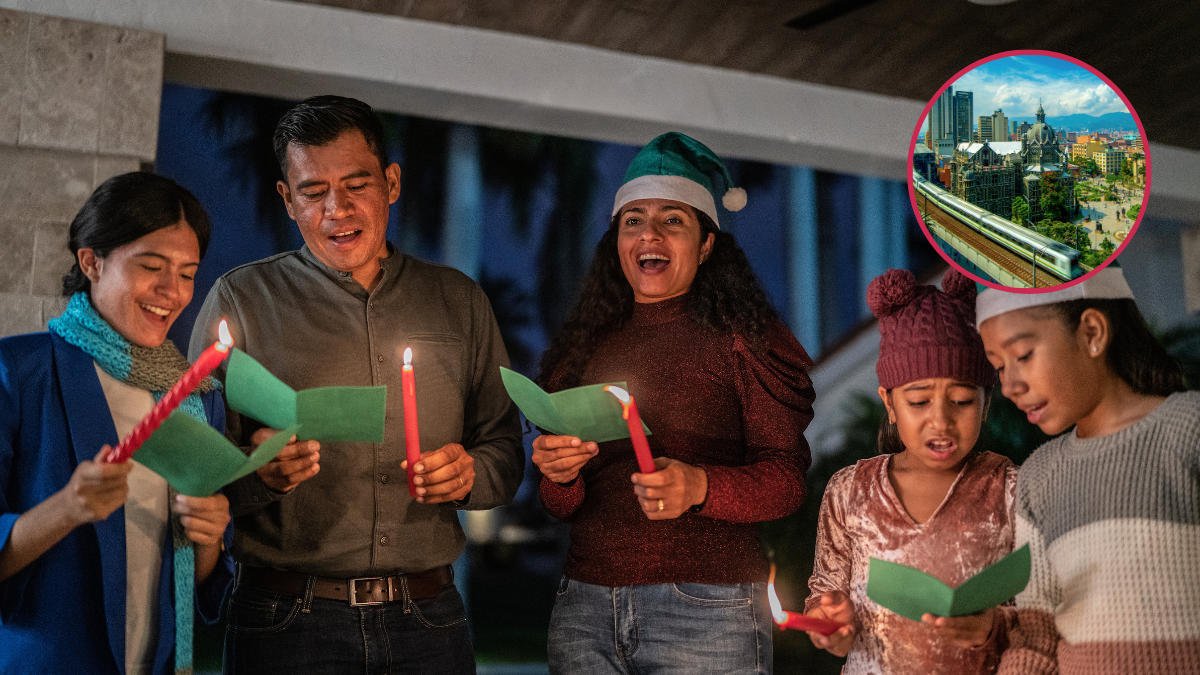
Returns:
<point x="1057" y="258"/>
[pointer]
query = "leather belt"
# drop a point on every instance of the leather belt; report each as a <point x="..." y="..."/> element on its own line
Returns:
<point x="358" y="592"/>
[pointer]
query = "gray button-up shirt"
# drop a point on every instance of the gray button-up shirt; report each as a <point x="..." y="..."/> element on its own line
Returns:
<point x="314" y="326"/>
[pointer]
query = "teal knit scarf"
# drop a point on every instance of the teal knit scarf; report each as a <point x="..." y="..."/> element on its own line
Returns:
<point x="155" y="370"/>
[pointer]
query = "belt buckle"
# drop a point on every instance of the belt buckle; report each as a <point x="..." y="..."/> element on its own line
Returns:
<point x="354" y="602"/>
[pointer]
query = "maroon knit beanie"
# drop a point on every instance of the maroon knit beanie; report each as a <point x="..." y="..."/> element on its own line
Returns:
<point x="926" y="332"/>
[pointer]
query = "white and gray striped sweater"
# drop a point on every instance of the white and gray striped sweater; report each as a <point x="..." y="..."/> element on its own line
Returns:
<point x="1113" y="525"/>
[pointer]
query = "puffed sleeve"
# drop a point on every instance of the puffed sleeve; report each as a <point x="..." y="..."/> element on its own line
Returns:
<point x="777" y="397"/>
<point x="833" y="563"/>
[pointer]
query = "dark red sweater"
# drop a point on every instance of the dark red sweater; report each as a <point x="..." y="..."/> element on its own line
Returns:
<point x="709" y="402"/>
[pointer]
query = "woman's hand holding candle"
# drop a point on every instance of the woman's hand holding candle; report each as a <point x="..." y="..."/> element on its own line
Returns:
<point x="560" y="458"/>
<point x="444" y="475"/>
<point x="835" y="606"/>
<point x="671" y="490"/>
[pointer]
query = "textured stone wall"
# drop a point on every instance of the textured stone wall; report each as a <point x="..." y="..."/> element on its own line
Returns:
<point x="79" y="103"/>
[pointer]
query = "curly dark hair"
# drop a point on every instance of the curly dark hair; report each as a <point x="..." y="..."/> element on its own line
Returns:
<point x="725" y="296"/>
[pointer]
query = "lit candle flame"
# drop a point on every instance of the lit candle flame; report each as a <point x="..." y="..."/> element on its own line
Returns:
<point x="408" y="357"/>
<point x="776" y="608"/>
<point x="226" y="338"/>
<point x="621" y="394"/>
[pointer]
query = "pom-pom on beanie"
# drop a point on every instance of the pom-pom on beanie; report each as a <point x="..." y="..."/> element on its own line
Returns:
<point x="926" y="332"/>
<point x="678" y="167"/>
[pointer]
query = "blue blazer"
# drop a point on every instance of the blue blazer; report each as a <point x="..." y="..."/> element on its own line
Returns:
<point x="65" y="612"/>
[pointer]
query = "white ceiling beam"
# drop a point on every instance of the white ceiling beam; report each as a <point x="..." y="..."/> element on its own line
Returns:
<point x="293" y="50"/>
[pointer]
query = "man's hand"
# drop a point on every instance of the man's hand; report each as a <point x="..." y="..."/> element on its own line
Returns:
<point x="204" y="519"/>
<point x="444" y="475"/>
<point x="674" y="488"/>
<point x="96" y="489"/>
<point x="560" y="458"/>
<point x="965" y="631"/>
<point x="835" y="606"/>
<point x="296" y="463"/>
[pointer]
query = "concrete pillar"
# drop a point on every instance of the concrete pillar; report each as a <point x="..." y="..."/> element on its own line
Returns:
<point x="79" y="104"/>
<point x="804" y="272"/>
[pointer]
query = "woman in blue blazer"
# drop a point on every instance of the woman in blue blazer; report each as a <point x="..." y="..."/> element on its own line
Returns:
<point x="97" y="560"/>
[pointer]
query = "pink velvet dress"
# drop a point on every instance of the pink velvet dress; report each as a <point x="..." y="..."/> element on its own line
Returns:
<point x="862" y="518"/>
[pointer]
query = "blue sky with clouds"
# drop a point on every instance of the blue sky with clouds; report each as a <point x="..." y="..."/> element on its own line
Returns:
<point x="1015" y="83"/>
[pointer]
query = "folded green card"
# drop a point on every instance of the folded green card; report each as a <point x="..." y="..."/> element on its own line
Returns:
<point x="198" y="460"/>
<point x="910" y="592"/>
<point x="343" y="414"/>
<point x="588" y="413"/>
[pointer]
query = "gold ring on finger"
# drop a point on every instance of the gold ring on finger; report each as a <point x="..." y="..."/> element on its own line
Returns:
<point x="660" y="505"/>
<point x="461" y="483"/>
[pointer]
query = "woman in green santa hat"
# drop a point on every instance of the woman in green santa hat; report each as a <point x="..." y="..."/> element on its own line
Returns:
<point x="665" y="572"/>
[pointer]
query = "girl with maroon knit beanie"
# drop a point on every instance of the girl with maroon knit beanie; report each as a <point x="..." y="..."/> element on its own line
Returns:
<point x="929" y="501"/>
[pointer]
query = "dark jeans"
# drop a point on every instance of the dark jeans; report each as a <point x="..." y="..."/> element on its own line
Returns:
<point x="272" y="633"/>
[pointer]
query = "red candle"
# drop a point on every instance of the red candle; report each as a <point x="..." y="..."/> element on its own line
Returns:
<point x="641" y="447"/>
<point x="412" y="436"/>
<point x="796" y="620"/>
<point x="204" y="365"/>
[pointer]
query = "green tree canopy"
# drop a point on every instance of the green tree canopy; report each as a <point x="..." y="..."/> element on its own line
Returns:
<point x="1055" y="201"/>
<point x="1020" y="210"/>
<point x="1132" y="213"/>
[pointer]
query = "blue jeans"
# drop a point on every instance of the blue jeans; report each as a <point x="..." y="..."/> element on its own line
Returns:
<point x="272" y="633"/>
<point x="657" y="629"/>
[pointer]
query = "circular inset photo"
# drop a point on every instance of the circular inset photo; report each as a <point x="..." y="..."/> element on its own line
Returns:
<point x="1029" y="170"/>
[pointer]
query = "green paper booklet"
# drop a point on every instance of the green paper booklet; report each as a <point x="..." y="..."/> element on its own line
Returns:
<point x="318" y="414"/>
<point x="588" y="413"/>
<point x="910" y="592"/>
<point x="198" y="460"/>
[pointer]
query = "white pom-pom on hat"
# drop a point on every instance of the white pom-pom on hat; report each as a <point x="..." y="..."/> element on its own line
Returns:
<point x="734" y="199"/>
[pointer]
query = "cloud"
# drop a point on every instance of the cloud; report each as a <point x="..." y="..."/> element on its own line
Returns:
<point x="1017" y="85"/>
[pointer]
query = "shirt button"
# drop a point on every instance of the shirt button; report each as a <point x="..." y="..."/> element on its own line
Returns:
<point x="383" y="540"/>
<point x="381" y="358"/>
<point x="384" y="479"/>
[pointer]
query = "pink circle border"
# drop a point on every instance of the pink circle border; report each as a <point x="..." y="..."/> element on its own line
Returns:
<point x="912" y="146"/>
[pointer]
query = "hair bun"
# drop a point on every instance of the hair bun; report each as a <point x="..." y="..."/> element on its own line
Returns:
<point x="958" y="285"/>
<point x="890" y="292"/>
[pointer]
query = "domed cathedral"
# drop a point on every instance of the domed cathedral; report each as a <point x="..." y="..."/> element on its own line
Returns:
<point x="1041" y="154"/>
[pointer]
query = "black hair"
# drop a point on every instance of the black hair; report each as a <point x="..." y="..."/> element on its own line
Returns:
<point x="1134" y="354"/>
<point x="319" y="120"/>
<point x="126" y="208"/>
<point x="888" y="440"/>
<point x="725" y="296"/>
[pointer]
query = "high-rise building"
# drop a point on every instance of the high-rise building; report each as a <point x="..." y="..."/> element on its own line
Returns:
<point x="964" y="114"/>
<point x="999" y="126"/>
<point x="942" y="124"/>
<point x="985" y="130"/>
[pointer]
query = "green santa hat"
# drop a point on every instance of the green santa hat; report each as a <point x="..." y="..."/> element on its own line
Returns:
<point x="675" y="166"/>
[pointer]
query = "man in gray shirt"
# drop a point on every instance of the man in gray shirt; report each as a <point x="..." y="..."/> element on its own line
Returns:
<point x="340" y="569"/>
